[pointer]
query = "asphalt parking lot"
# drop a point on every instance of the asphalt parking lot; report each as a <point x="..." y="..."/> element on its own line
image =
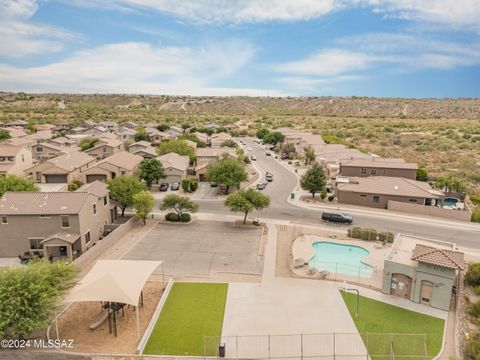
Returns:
<point x="201" y="248"/>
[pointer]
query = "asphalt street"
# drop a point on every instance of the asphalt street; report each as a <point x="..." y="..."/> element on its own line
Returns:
<point x="465" y="235"/>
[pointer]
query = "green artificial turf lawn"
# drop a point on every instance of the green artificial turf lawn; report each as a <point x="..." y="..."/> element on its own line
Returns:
<point x="191" y="312"/>
<point x="378" y="317"/>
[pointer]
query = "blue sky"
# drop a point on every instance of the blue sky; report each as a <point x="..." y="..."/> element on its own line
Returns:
<point x="385" y="48"/>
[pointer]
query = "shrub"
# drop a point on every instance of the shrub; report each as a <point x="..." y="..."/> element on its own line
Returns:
<point x="472" y="276"/>
<point x="476" y="215"/>
<point x="186" y="185"/>
<point x="474" y="310"/>
<point x="323" y="194"/>
<point x="355" y="232"/>
<point x="193" y="184"/>
<point x="171" y="216"/>
<point x="74" y="185"/>
<point x="472" y="349"/>
<point x="368" y="234"/>
<point x="477" y="289"/>
<point x="331" y="197"/>
<point x="185" y="217"/>
<point x="390" y="237"/>
<point x="382" y="236"/>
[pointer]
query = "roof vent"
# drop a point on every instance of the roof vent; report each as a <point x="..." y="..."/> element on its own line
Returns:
<point x="395" y="187"/>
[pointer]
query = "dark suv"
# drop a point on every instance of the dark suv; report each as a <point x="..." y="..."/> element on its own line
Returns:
<point x="337" y="217"/>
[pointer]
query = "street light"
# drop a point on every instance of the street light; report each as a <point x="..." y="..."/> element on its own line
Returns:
<point x="358" y="296"/>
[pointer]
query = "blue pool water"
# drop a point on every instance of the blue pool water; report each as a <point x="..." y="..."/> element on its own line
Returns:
<point x="450" y="201"/>
<point x="340" y="258"/>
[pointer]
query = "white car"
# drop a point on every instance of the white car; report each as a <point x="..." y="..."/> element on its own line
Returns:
<point x="249" y="149"/>
<point x="253" y="158"/>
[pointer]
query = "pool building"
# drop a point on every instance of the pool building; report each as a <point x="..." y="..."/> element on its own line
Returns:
<point x="422" y="271"/>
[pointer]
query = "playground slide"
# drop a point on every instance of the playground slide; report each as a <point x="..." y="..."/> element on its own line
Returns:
<point x="99" y="320"/>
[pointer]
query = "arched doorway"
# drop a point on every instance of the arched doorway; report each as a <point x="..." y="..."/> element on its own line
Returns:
<point x="401" y="285"/>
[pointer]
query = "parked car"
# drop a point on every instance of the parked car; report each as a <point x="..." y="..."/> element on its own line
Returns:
<point x="213" y="184"/>
<point x="284" y="156"/>
<point x="261" y="185"/>
<point x="268" y="153"/>
<point x="175" y="186"/>
<point x="337" y="217"/>
<point x="163" y="187"/>
<point x="249" y="149"/>
<point x="253" y="158"/>
<point x="269" y="177"/>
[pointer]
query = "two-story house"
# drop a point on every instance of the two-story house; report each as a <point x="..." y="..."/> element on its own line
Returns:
<point x="57" y="225"/>
<point x="14" y="159"/>
<point x="64" y="168"/>
<point x="378" y="167"/>
<point x="119" y="164"/>
<point x="105" y="147"/>
<point x="206" y="156"/>
<point x="46" y="150"/>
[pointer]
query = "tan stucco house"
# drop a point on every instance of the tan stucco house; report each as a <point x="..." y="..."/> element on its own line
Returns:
<point x="54" y="224"/>
<point x="377" y="191"/>
<point x="105" y="147"/>
<point x="119" y="164"/>
<point x="378" y="167"/>
<point x="175" y="167"/>
<point x="64" y="168"/>
<point x="14" y="159"/>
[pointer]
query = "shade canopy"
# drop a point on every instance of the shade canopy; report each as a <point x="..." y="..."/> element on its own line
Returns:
<point x="115" y="281"/>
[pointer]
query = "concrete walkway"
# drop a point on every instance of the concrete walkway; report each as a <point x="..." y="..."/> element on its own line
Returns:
<point x="270" y="255"/>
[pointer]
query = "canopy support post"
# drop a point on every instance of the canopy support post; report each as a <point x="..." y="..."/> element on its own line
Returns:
<point x="163" y="275"/>
<point x="138" y="323"/>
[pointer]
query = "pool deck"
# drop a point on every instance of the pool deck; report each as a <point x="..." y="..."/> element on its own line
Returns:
<point x="302" y="249"/>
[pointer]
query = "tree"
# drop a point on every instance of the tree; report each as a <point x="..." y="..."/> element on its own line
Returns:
<point x="247" y="200"/>
<point x="143" y="202"/>
<point x="195" y="139"/>
<point x="262" y="133"/>
<point x="229" y="143"/>
<point x="227" y="172"/>
<point x="178" y="146"/>
<point x="16" y="183"/>
<point x="123" y="188"/>
<point x="4" y="134"/>
<point x="185" y="126"/>
<point x="163" y="127"/>
<point x="29" y="295"/>
<point x="179" y="204"/>
<point x="288" y="148"/>
<point x="314" y="179"/>
<point x="422" y="174"/>
<point x="151" y="170"/>
<point x="274" y="138"/>
<point x="450" y="183"/>
<point x="87" y="143"/>
<point x="141" y="135"/>
<point x="309" y="155"/>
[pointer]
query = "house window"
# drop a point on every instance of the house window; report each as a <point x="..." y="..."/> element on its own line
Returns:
<point x="363" y="195"/>
<point x="23" y="158"/>
<point x="104" y="149"/>
<point x="4" y="220"/>
<point x="373" y="172"/>
<point x="65" y="221"/>
<point x="105" y="202"/>
<point x="94" y="209"/>
<point x="376" y="198"/>
<point x="364" y="171"/>
<point x="35" y="244"/>
<point x="412" y="200"/>
<point x="44" y="217"/>
<point x="39" y="149"/>
<point x="87" y="237"/>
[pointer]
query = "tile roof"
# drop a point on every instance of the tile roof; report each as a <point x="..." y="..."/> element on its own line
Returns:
<point x="390" y="186"/>
<point x="97" y="188"/>
<point x="440" y="257"/>
<point x="63" y="235"/>
<point x="143" y="143"/>
<point x="123" y="160"/>
<point x="381" y="163"/>
<point x="7" y="149"/>
<point x="173" y="160"/>
<point x="210" y="152"/>
<point x="71" y="160"/>
<point x="42" y="203"/>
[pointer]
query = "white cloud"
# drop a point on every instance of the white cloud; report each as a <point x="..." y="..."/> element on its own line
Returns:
<point x="19" y="36"/>
<point x="327" y="63"/>
<point x="133" y="67"/>
<point x="455" y="13"/>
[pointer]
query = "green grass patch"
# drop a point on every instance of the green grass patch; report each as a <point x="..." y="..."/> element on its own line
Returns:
<point x="378" y="317"/>
<point x="192" y="311"/>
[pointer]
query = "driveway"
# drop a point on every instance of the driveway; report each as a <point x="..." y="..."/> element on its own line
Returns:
<point x="288" y="306"/>
<point x="205" y="192"/>
<point x="201" y="248"/>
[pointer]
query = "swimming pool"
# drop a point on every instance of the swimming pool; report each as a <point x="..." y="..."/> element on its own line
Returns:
<point x="450" y="201"/>
<point x="340" y="258"/>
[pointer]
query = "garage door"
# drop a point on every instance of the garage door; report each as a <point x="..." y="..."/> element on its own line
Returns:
<point x="57" y="179"/>
<point x="93" y="177"/>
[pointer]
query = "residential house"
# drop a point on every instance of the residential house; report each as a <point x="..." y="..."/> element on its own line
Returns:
<point x="105" y="147"/>
<point x="126" y="134"/>
<point x="14" y="159"/>
<point x="95" y="131"/>
<point x="377" y="191"/>
<point x="130" y="125"/>
<point x="45" y="127"/>
<point x="422" y="271"/>
<point x="156" y="136"/>
<point x="18" y="123"/>
<point x="308" y="140"/>
<point x="202" y="137"/>
<point x="192" y="144"/>
<point x="143" y="148"/>
<point x="64" y="168"/>
<point x="174" y="131"/>
<point x="63" y="141"/>
<point x="46" y="150"/>
<point x="16" y="131"/>
<point x="57" y="225"/>
<point x="40" y="136"/>
<point x="119" y="164"/>
<point x="175" y="166"/>
<point x="206" y="156"/>
<point x="378" y="167"/>
<point x="216" y="140"/>
<point x="89" y="124"/>
<point x="111" y="126"/>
